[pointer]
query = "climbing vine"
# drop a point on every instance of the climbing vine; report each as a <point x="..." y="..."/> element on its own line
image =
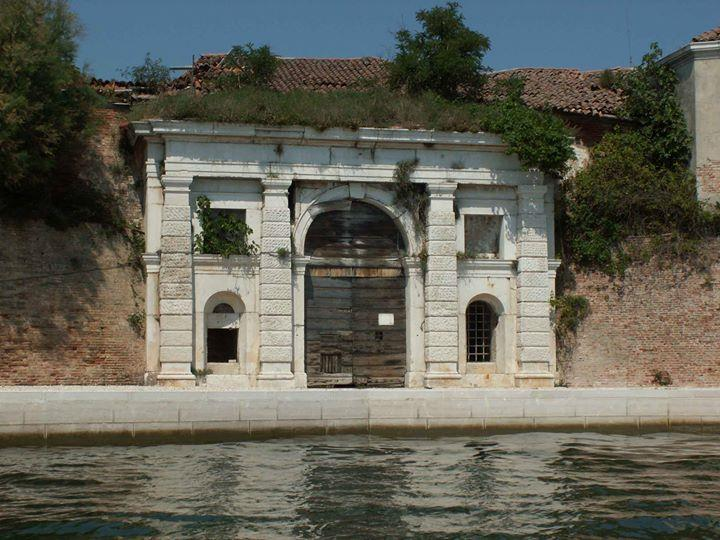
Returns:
<point x="410" y="196"/>
<point x="570" y="310"/>
<point x="221" y="233"/>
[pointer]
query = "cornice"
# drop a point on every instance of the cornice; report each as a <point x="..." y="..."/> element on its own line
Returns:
<point x="364" y="137"/>
<point x="693" y="51"/>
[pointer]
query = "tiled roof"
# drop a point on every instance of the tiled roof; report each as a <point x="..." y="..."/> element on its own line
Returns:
<point x="566" y="90"/>
<point x="561" y="89"/>
<point x="710" y="35"/>
<point x="299" y="73"/>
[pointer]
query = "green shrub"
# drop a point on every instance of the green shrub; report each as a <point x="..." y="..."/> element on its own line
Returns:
<point x="651" y="102"/>
<point x="46" y="118"/>
<point x="637" y="182"/>
<point x="222" y="234"/>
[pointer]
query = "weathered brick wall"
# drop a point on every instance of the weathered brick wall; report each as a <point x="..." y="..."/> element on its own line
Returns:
<point x="655" y="319"/>
<point x="66" y="295"/>
<point x="708" y="176"/>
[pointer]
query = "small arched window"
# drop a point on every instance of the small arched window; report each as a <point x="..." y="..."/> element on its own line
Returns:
<point x="480" y="320"/>
<point x="223" y="308"/>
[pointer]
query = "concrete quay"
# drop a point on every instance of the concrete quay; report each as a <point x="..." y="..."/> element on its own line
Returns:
<point x="151" y="415"/>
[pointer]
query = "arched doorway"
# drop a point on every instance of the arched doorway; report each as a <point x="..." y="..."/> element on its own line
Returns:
<point x="354" y="298"/>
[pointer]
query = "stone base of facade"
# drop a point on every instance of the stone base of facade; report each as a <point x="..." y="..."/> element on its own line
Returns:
<point x="276" y="381"/>
<point x="489" y="380"/>
<point x="176" y="381"/>
<point x="415" y="379"/>
<point x="227" y="381"/>
<point x="443" y="380"/>
<point x="534" y="380"/>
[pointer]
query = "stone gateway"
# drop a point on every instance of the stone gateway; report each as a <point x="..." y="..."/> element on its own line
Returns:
<point x="348" y="287"/>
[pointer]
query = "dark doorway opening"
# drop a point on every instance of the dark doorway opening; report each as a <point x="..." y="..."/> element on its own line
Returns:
<point x="222" y="344"/>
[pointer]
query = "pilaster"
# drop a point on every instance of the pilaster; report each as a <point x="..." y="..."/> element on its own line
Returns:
<point x="175" y="285"/>
<point x="153" y="194"/>
<point x="414" y="334"/>
<point x="299" y="267"/>
<point x="276" y="304"/>
<point x="533" y="289"/>
<point x="152" y="317"/>
<point x="441" y="294"/>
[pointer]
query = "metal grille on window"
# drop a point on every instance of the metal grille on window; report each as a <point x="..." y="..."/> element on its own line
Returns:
<point x="480" y="320"/>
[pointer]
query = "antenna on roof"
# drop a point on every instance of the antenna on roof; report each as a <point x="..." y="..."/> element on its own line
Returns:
<point x="627" y="27"/>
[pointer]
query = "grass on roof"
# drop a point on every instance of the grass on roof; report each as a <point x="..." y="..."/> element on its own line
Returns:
<point x="540" y="139"/>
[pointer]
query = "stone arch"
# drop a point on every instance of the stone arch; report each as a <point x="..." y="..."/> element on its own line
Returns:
<point x="490" y="299"/>
<point x="224" y="297"/>
<point x="382" y="199"/>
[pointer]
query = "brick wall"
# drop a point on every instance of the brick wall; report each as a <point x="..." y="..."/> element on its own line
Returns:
<point x="708" y="176"/>
<point x="66" y="295"/>
<point x="655" y="319"/>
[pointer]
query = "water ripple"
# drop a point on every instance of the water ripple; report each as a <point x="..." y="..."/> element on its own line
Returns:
<point x="543" y="485"/>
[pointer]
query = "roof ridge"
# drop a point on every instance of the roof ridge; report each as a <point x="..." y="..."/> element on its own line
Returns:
<point x="330" y="57"/>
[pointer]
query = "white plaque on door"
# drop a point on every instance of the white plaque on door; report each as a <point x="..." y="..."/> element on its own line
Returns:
<point x="386" y="319"/>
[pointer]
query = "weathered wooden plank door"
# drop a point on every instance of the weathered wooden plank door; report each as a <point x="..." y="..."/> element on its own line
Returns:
<point x="345" y="342"/>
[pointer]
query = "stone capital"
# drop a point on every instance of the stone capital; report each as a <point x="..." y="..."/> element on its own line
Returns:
<point x="445" y="190"/>
<point x="300" y="264"/>
<point x="151" y="262"/>
<point x="275" y="186"/>
<point x="176" y="184"/>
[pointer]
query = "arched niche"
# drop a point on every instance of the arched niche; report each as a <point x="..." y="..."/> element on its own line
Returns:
<point x="484" y="319"/>
<point x="224" y="331"/>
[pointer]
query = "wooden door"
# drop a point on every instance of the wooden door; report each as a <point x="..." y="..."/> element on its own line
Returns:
<point x="345" y="342"/>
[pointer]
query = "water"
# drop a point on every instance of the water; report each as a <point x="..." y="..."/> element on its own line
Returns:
<point x="536" y="484"/>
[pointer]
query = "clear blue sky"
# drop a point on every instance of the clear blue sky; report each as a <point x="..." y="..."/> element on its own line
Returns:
<point x="587" y="34"/>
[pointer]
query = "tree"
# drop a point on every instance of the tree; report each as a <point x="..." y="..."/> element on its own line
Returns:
<point x="152" y="74"/>
<point x="46" y="106"/>
<point x="247" y="65"/>
<point x="444" y="57"/>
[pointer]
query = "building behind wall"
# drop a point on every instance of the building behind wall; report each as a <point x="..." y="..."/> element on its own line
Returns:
<point x="348" y="289"/>
<point x="698" y="68"/>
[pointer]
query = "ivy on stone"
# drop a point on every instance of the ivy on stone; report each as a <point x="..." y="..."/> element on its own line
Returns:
<point x="221" y="233"/>
<point x="410" y="196"/>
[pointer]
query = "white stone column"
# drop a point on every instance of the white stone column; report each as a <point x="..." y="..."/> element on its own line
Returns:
<point x="153" y="219"/>
<point x="276" y="302"/>
<point x="152" y="317"/>
<point x="441" y="295"/>
<point x="153" y="195"/>
<point x="299" y="266"/>
<point x="533" y="290"/>
<point x="176" y="298"/>
<point x="415" y="317"/>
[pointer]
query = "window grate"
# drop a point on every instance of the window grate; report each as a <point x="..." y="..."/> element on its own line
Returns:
<point x="480" y="321"/>
<point x="329" y="363"/>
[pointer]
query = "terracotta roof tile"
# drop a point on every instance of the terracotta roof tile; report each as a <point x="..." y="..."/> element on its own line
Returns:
<point x="710" y="35"/>
<point x="566" y="90"/>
